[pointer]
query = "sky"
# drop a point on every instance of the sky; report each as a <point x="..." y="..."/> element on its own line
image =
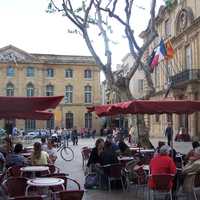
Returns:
<point x="26" y="25"/>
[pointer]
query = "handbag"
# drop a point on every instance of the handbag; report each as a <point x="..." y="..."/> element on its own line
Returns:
<point x="91" y="181"/>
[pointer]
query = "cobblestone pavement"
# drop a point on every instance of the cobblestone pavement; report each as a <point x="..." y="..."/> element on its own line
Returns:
<point x="74" y="169"/>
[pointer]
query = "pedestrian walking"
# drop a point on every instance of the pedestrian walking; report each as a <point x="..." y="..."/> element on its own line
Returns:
<point x="169" y="133"/>
<point x="75" y="136"/>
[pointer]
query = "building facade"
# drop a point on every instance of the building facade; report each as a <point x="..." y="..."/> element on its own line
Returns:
<point x="179" y="23"/>
<point x="77" y="78"/>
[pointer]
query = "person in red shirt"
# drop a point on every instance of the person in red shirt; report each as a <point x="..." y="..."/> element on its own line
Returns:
<point x="162" y="164"/>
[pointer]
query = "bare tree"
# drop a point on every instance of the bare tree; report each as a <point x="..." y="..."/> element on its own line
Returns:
<point x="98" y="13"/>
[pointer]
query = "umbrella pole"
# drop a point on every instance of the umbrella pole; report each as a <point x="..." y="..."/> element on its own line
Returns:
<point x="138" y="129"/>
<point x="172" y="143"/>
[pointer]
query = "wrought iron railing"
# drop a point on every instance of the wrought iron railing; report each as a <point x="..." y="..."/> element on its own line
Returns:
<point x="185" y="76"/>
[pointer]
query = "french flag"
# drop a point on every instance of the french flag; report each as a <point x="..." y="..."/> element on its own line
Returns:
<point x="160" y="53"/>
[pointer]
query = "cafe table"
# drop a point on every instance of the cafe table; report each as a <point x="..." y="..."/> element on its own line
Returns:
<point x="44" y="183"/>
<point x="34" y="169"/>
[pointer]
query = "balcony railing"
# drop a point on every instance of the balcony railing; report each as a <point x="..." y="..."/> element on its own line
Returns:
<point x="185" y="76"/>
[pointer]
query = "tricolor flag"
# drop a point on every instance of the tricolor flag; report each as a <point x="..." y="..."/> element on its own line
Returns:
<point x="160" y="54"/>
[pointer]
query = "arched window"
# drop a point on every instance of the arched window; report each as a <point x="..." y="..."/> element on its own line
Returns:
<point x="10" y="71"/>
<point x="68" y="94"/>
<point x="88" y="74"/>
<point x="49" y="90"/>
<point x="88" y="120"/>
<point x="30" y="71"/>
<point x="69" y="120"/>
<point x="29" y="90"/>
<point x="10" y="89"/>
<point x="68" y="73"/>
<point x="88" y="94"/>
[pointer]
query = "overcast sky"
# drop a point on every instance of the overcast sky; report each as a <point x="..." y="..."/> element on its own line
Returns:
<point x="26" y="25"/>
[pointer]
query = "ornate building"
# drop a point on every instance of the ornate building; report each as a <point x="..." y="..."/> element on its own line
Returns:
<point x="181" y="24"/>
<point x="75" y="77"/>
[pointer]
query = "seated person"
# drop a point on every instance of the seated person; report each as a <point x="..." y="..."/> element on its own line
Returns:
<point x="190" y="170"/>
<point x="157" y="150"/>
<point x="124" y="149"/>
<point x="51" y="150"/>
<point x="15" y="158"/>
<point x="95" y="154"/>
<point x="108" y="156"/>
<point x="38" y="156"/>
<point x="162" y="164"/>
<point x="190" y="154"/>
<point x="44" y="144"/>
<point x="114" y="146"/>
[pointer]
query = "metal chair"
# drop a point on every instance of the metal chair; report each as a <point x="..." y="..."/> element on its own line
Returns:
<point x="86" y="151"/>
<point x="14" y="171"/>
<point x="113" y="173"/>
<point x="15" y="186"/>
<point x="162" y="184"/>
<point x="196" y="186"/>
<point x="71" y="195"/>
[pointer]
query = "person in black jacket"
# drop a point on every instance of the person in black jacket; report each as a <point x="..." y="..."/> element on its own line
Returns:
<point x="95" y="154"/>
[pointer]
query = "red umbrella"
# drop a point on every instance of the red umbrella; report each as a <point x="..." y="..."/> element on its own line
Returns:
<point x="147" y="107"/>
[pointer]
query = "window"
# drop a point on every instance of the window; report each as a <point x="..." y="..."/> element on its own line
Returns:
<point x="69" y="120"/>
<point x="88" y="120"/>
<point x="49" y="90"/>
<point x="188" y="57"/>
<point x="167" y="28"/>
<point x="157" y="117"/>
<point x="30" y="71"/>
<point x="157" y="77"/>
<point x="50" y="72"/>
<point x="10" y="71"/>
<point x="50" y="123"/>
<point x="30" y="124"/>
<point x="29" y="90"/>
<point x="88" y="94"/>
<point x="169" y="118"/>
<point x="68" y="73"/>
<point x="10" y="89"/>
<point x="68" y="94"/>
<point x="88" y="74"/>
<point x="140" y="85"/>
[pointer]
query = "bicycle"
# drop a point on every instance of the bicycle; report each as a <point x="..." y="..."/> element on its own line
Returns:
<point x="66" y="152"/>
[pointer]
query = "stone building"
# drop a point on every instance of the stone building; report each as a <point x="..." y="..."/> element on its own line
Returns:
<point x="77" y="78"/>
<point x="180" y="23"/>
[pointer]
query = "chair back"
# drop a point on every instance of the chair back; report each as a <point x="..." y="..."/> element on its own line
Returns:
<point x="86" y="153"/>
<point x="14" y="171"/>
<point x="141" y="175"/>
<point x="15" y="186"/>
<point x="27" y="198"/>
<point x="113" y="170"/>
<point x="163" y="181"/>
<point x="71" y="195"/>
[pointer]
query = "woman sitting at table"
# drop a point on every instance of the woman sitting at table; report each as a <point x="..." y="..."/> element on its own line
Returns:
<point x="124" y="149"/>
<point x="38" y="156"/>
<point x="15" y="158"/>
<point x="95" y="154"/>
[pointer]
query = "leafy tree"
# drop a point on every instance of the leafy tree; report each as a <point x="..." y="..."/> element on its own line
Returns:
<point x="90" y="15"/>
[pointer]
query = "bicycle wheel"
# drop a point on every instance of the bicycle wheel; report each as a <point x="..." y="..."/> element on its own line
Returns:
<point x="67" y="154"/>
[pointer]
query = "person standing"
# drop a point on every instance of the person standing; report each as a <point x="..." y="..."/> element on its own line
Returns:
<point x="75" y="136"/>
<point x="169" y="133"/>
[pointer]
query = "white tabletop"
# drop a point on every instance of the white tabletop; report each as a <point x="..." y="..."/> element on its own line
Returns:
<point x="125" y="158"/>
<point x="146" y="150"/>
<point x="136" y="148"/>
<point x="34" y="168"/>
<point x="146" y="167"/>
<point x="41" y="182"/>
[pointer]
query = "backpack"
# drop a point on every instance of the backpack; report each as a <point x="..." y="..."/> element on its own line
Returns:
<point x="91" y="181"/>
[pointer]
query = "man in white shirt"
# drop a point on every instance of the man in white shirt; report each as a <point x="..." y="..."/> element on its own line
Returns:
<point x="51" y="150"/>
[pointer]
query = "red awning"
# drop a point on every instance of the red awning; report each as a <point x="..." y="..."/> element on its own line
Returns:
<point x="28" y="104"/>
<point x="28" y="107"/>
<point x="39" y="115"/>
<point x="147" y="107"/>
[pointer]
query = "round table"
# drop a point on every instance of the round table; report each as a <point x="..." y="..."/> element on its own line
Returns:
<point x="34" y="169"/>
<point x="44" y="182"/>
<point x="125" y="158"/>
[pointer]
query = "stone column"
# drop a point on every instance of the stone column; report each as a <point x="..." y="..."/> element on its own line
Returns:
<point x="192" y="123"/>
